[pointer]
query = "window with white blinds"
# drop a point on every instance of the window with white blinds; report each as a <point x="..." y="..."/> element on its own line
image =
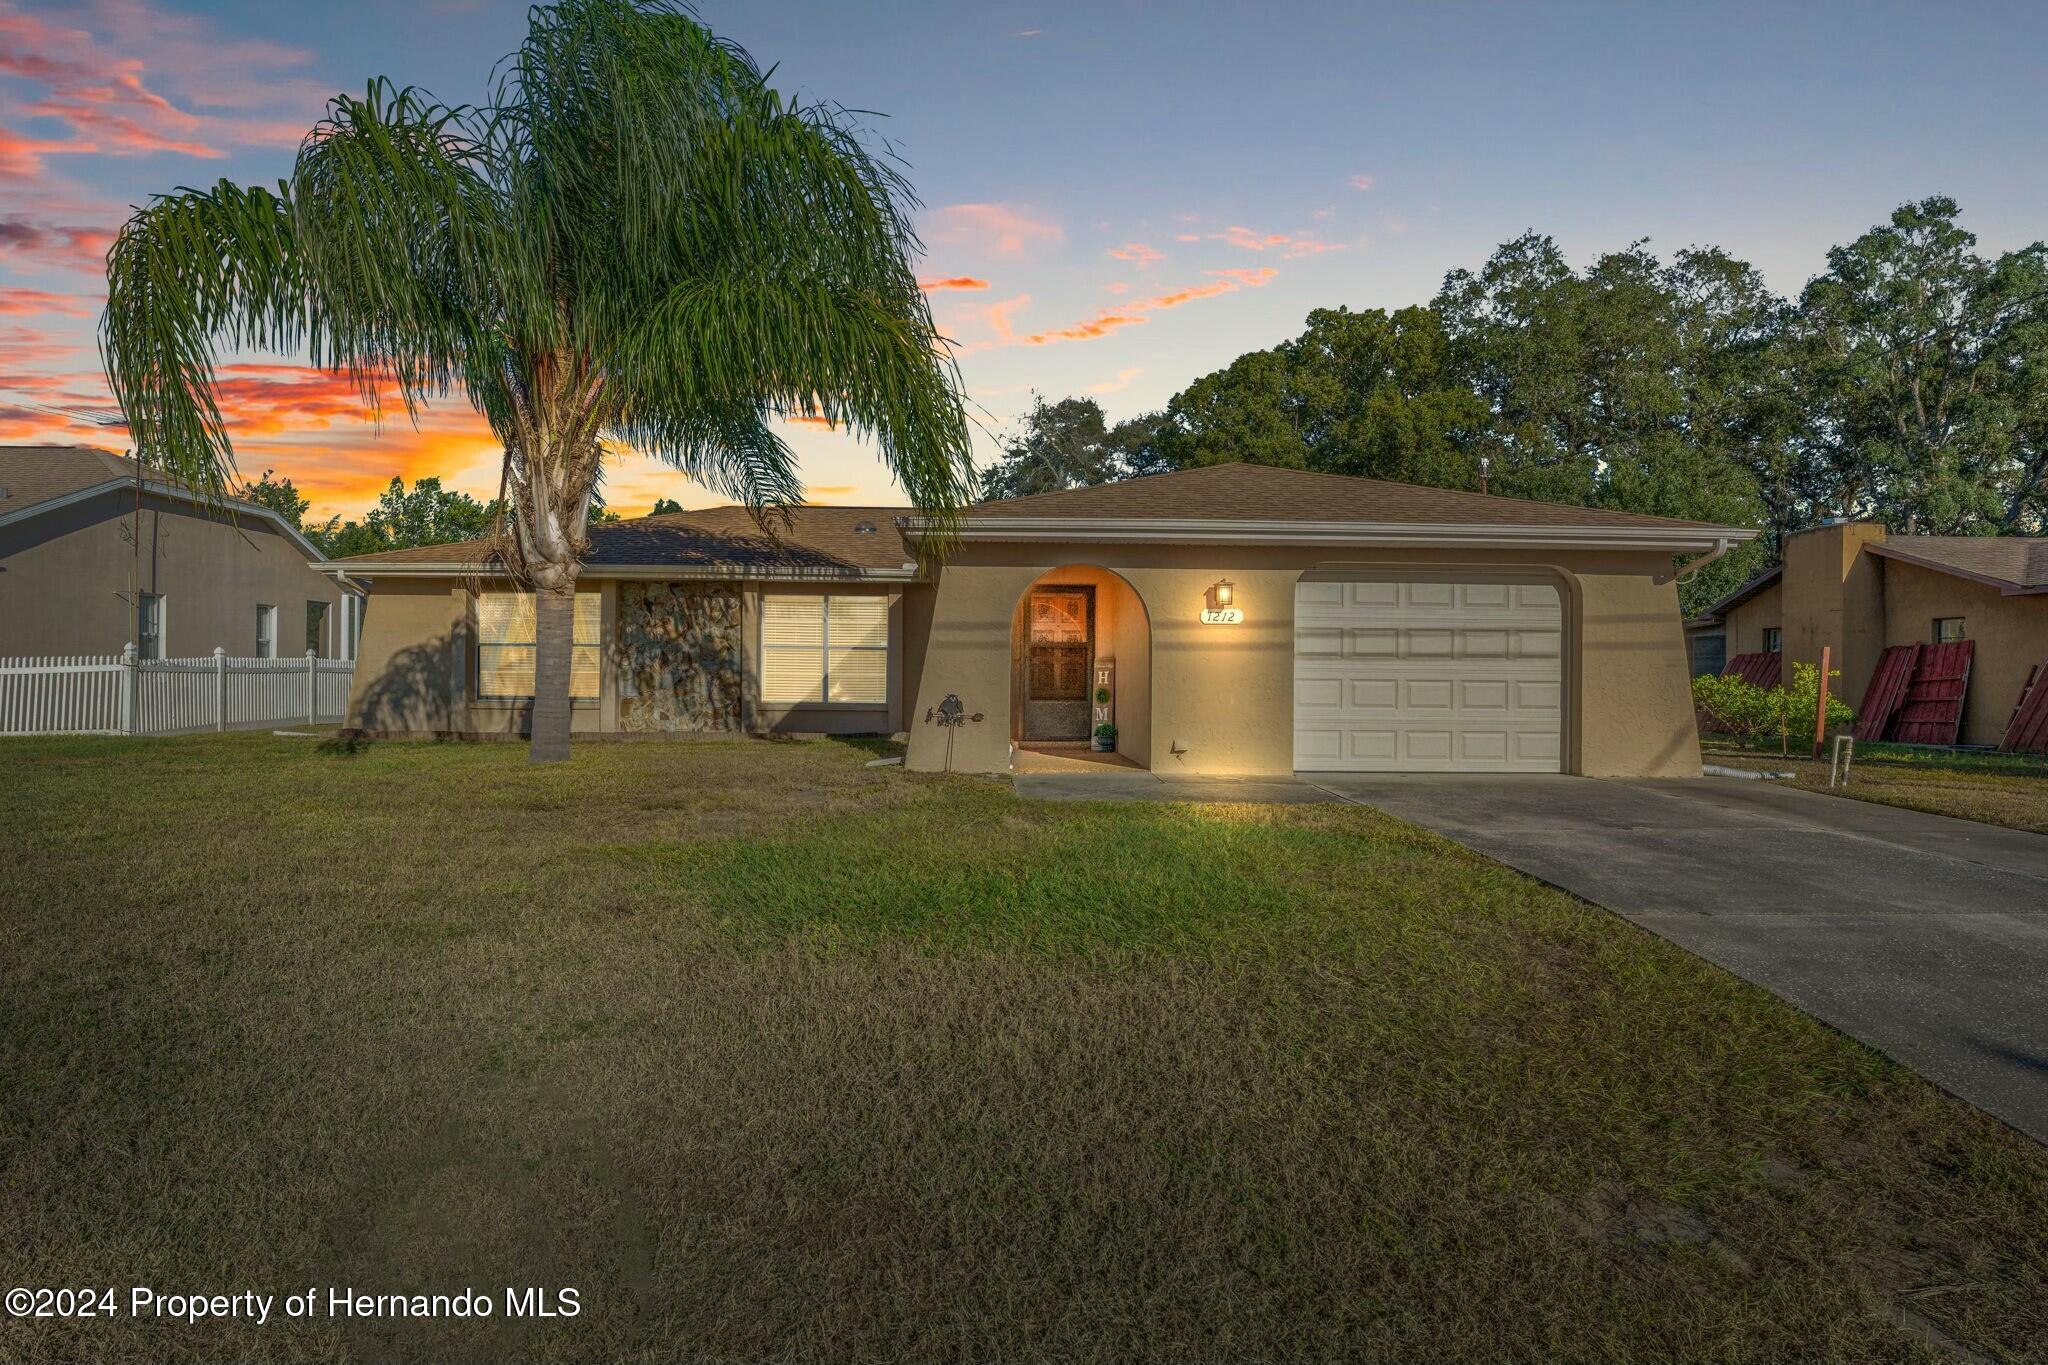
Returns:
<point x="505" y="644"/>
<point x="816" y="650"/>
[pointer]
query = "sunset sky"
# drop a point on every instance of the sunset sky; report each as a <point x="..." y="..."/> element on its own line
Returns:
<point x="1119" y="197"/>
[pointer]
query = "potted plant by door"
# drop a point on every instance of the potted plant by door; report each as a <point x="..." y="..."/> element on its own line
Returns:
<point x="1105" y="739"/>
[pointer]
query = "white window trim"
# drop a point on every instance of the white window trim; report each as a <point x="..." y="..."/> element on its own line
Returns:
<point x="266" y="631"/>
<point x="824" y="600"/>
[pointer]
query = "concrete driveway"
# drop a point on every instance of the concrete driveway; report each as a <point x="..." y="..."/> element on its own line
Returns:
<point x="1923" y="936"/>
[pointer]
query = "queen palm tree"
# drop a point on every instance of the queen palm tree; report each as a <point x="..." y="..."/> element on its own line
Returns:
<point x="635" y="239"/>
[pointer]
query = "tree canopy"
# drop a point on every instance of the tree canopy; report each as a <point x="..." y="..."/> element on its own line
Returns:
<point x="1907" y="382"/>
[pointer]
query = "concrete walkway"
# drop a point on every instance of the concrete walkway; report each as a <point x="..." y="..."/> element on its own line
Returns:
<point x="1923" y="936"/>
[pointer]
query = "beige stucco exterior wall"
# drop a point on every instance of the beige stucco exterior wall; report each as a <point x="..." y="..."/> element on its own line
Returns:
<point x="416" y="663"/>
<point x="1221" y="697"/>
<point x="1833" y="597"/>
<point x="2011" y="635"/>
<point x="1747" y="621"/>
<point x="65" y="581"/>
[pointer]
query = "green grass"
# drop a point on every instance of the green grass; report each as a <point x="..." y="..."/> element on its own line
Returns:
<point x="1995" y="788"/>
<point x="774" y="1056"/>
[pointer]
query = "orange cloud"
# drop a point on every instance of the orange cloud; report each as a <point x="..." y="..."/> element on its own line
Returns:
<point x="1139" y="253"/>
<point x="952" y="282"/>
<point x="22" y="301"/>
<point x="999" y="226"/>
<point x="1120" y="383"/>
<point x="819" y="423"/>
<point x="1139" y="311"/>
<point x="1254" y="241"/>
<point x="1187" y="236"/>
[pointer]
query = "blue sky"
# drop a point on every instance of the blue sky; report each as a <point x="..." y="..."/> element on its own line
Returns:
<point x="1144" y="190"/>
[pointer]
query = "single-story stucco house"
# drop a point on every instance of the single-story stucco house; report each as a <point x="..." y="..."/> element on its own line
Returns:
<point x="1854" y="589"/>
<point x="1241" y="619"/>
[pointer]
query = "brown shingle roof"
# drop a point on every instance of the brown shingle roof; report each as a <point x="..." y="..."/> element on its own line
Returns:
<point x="2017" y="563"/>
<point x="1249" y="492"/>
<point x="33" y="474"/>
<point x="822" y="540"/>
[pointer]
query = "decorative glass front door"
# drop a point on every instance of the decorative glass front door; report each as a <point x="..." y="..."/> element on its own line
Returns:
<point x="1059" y="645"/>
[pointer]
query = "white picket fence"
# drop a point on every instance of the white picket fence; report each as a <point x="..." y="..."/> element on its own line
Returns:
<point x="121" y="694"/>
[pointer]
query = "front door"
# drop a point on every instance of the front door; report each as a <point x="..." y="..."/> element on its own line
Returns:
<point x="1059" y="645"/>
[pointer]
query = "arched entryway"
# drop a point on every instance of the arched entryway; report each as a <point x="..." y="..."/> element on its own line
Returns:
<point x="1079" y="631"/>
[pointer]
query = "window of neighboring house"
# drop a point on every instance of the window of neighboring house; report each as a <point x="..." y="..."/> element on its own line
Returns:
<point x="1709" y="655"/>
<point x="352" y="609"/>
<point x="1774" y="640"/>
<point x="149" y="626"/>
<point x="826" y="649"/>
<point x="266" y="631"/>
<point x="505" y="633"/>
<point x="316" y="627"/>
<point x="1948" y="630"/>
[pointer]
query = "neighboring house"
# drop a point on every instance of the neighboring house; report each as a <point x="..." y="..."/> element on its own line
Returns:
<point x="1850" y="587"/>
<point x="91" y="561"/>
<point x="1245" y="619"/>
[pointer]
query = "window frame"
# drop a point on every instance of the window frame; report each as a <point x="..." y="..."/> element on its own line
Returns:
<point x="149" y="610"/>
<point x="266" y="631"/>
<point x="1774" y="639"/>
<point x="887" y="649"/>
<point x="1962" y="629"/>
<point x="478" y="673"/>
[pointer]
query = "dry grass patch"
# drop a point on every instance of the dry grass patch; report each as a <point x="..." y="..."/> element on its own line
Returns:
<point x="778" y="1057"/>
<point x="1998" y="789"/>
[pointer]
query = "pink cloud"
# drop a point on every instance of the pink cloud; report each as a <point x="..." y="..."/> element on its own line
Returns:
<point x="997" y="226"/>
<point x="21" y="156"/>
<point x="1361" y="182"/>
<point x="102" y="94"/>
<point x="1120" y="383"/>
<point x="1118" y="286"/>
<point x="1187" y="236"/>
<point x="1252" y="278"/>
<point x="1138" y="253"/>
<point x="24" y="301"/>
<point x="116" y="134"/>
<point x="71" y="246"/>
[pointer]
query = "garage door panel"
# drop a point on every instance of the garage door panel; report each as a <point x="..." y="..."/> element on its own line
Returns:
<point x="1430" y="676"/>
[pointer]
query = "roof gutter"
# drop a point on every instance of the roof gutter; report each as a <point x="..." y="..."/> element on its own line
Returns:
<point x="1718" y="552"/>
<point x="1718" y="540"/>
<point x="647" y="572"/>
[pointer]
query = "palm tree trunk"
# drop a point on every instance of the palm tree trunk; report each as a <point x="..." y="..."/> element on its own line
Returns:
<point x="554" y="641"/>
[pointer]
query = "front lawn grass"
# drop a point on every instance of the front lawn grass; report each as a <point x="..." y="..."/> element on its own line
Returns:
<point x="774" y="1056"/>
<point x="1998" y="789"/>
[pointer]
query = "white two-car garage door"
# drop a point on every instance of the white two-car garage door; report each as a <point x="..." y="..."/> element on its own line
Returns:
<point x="1427" y="676"/>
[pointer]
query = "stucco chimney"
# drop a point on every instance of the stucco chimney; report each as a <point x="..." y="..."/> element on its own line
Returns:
<point x="1833" y="595"/>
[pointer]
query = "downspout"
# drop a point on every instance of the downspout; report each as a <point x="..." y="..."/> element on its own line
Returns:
<point x="1721" y="548"/>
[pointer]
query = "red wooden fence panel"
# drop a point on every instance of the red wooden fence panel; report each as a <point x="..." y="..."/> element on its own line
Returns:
<point x="1887" y="689"/>
<point x="1758" y="670"/>
<point x="2028" y="731"/>
<point x="1932" y="712"/>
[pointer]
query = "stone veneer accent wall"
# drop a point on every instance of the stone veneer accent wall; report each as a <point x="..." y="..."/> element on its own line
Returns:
<point x="678" y="651"/>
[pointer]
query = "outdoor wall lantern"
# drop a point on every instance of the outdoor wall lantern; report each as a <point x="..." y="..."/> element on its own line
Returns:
<point x="1222" y="605"/>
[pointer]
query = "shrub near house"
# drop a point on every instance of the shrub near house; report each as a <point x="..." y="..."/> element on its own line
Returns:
<point x="1751" y="713"/>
